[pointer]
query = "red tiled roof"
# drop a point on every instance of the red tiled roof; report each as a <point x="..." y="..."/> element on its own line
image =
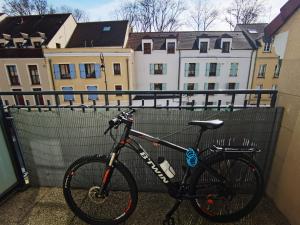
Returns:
<point x="286" y="12"/>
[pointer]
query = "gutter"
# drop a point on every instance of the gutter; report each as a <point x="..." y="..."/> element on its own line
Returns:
<point x="51" y="73"/>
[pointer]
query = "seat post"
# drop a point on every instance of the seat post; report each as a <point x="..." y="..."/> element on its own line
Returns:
<point x="202" y="129"/>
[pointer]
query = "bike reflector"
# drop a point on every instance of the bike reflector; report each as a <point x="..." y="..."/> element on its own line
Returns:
<point x="191" y="157"/>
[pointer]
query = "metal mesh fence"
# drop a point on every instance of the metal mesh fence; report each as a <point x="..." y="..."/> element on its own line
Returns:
<point x="51" y="140"/>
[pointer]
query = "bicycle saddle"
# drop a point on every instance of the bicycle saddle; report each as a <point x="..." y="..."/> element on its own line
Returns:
<point x="208" y="124"/>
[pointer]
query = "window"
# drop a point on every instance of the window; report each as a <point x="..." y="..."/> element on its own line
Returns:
<point x="252" y="31"/>
<point x="37" y="44"/>
<point x="212" y="69"/>
<point x="192" y="69"/>
<point x="106" y="28"/>
<point x="92" y="96"/>
<point x="211" y="86"/>
<point x="158" y="68"/>
<point x="233" y="69"/>
<point x="19" y="99"/>
<point x="117" y="68"/>
<point x="203" y="47"/>
<point x="65" y="71"/>
<point x="171" y="47"/>
<point x="190" y="87"/>
<point x="262" y="70"/>
<point x="39" y="100"/>
<point x="13" y="75"/>
<point x="147" y="48"/>
<point x="158" y="86"/>
<point x="118" y="88"/>
<point x="225" y="47"/>
<point x="274" y="87"/>
<point x="90" y="70"/>
<point x="19" y="44"/>
<point x="68" y="97"/>
<point x="34" y="74"/>
<point x="277" y="68"/>
<point x="231" y="86"/>
<point x="58" y="45"/>
<point x="267" y="47"/>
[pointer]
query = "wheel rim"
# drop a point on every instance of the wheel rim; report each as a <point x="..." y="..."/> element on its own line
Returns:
<point x="84" y="183"/>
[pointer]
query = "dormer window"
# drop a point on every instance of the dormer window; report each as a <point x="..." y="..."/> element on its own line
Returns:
<point x="19" y="44"/>
<point x="37" y="44"/>
<point x="147" y="48"/>
<point x="267" y="47"/>
<point x="203" y="46"/>
<point x="171" y="47"/>
<point x="226" y="47"/>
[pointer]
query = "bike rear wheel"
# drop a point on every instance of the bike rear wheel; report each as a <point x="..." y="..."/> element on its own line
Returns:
<point x="81" y="187"/>
<point x="236" y="198"/>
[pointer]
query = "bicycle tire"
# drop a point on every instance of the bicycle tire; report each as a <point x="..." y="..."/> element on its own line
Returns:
<point x="78" y="210"/>
<point x="208" y="201"/>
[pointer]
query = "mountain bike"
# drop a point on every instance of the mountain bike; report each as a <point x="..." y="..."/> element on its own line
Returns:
<point x="223" y="186"/>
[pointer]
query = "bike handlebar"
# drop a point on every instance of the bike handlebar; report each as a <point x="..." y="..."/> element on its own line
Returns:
<point x="116" y="121"/>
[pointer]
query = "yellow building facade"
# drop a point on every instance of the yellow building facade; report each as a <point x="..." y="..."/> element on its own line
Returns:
<point x="81" y="69"/>
<point x="266" y="71"/>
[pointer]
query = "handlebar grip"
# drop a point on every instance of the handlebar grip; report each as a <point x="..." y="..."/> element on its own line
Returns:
<point x="113" y="121"/>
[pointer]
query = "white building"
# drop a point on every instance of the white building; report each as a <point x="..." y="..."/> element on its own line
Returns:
<point x="192" y="61"/>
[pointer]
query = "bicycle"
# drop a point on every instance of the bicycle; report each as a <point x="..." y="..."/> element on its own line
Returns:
<point x="223" y="186"/>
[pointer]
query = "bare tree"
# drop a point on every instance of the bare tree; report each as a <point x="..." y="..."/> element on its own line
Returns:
<point x="203" y="15"/>
<point x="40" y="6"/>
<point x="78" y="14"/>
<point x="18" y="7"/>
<point x="152" y="15"/>
<point x="244" y="11"/>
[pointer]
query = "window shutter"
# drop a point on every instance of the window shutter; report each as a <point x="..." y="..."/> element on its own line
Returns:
<point x="216" y="86"/>
<point x="92" y="96"/>
<point x="151" y="69"/>
<point x="72" y="71"/>
<point x="236" y="68"/>
<point x="164" y="68"/>
<point x="218" y="69"/>
<point x="196" y="87"/>
<point x="205" y="86"/>
<point x="185" y="86"/>
<point x="68" y="97"/>
<point x="237" y="85"/>
<point x="151" y="86"/>
<point x="164" y="86"/>
<point x="82" y="71"/>
<point x="207" y="69"/>
<point x="197" y="70"/>
<point x="97" y="70"/>
<point x="227" y="86"/>
<point x="56" y="71"/>
<point x="231" y="70"/>
<point x="186" y="69"/>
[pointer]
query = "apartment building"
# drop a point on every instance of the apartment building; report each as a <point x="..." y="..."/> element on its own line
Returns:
<point x="267" y="63"/>
<point x="192" y="61"/>
<point x="22" y="63"/>
<point x="94" y="59"/>
<point x="284" y="182"/>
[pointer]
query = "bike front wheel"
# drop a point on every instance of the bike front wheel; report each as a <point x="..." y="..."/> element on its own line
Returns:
<point x="230" y="200"/>
<point x="82" y="184"/>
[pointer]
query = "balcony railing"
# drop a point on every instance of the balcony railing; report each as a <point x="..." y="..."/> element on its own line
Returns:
<point x="142" y="99"/>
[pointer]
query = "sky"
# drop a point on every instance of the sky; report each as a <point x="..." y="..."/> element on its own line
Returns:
<point x="104" y="10"/>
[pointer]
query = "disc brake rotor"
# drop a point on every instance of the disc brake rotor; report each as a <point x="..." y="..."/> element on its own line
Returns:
<point x="94" y="195"/>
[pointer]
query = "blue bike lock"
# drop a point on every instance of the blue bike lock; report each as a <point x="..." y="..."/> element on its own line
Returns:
<point x="191" y="157"/>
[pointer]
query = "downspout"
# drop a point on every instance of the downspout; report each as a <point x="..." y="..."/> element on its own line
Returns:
<point x="51" y="74"/>
<point x="252" y="75"/>
<point x="179" y="67"/>
<point x="127" y="68"/>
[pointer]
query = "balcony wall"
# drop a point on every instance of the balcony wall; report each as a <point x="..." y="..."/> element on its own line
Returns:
<point x="52" y="140"/>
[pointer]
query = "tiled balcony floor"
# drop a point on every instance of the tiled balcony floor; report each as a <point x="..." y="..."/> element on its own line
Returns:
<point x="46" y="206"/>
